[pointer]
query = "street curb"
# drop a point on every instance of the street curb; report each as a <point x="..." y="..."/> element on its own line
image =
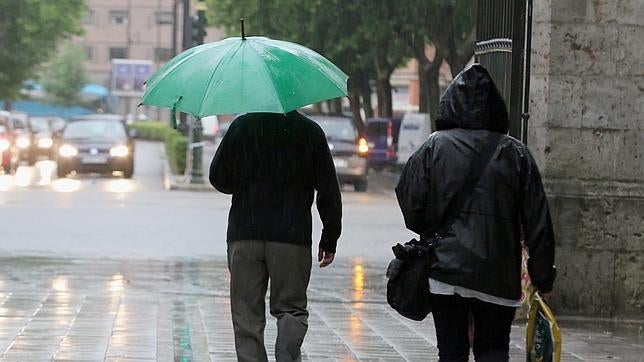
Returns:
<point x="173" y="182"/>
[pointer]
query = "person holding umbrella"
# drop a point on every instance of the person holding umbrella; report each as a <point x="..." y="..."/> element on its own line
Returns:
<point x="272" y="161"/>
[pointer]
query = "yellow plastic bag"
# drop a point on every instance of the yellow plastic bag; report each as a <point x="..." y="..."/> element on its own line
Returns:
<point x="543" y="336"/>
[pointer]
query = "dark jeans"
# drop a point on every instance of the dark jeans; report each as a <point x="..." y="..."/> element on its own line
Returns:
<point x="492" y="324"/>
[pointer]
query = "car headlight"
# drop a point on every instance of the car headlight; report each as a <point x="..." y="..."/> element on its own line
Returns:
<point x="363" y="147"/>
<point x="45" y="142"/>
<point x="23" y="142"/>
<point x="119" y="151"/>
<point x="67" y="151"/>
<point x="4" y="145"/>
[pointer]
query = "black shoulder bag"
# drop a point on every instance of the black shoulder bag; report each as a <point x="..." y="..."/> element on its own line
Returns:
<point x="408" y="285"/>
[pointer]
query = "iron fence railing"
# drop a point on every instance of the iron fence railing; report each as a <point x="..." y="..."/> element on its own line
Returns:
<point x="502" y="46"/>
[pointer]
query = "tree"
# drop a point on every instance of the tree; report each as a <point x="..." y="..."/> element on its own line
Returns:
<point x="355" y="35"/>
<point x="65" y="75"/>
<point x="448" y="25"/>
<point x="30" y="31"/>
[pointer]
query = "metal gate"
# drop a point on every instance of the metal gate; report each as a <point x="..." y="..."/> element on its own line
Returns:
<point x="503" y="37"/>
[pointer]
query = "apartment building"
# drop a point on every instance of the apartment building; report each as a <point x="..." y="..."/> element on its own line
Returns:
<point x="131" y="29"/>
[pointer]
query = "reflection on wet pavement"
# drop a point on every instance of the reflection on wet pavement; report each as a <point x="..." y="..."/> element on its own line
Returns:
<point x="41" y="175"/>
<point x="95" y="310"/>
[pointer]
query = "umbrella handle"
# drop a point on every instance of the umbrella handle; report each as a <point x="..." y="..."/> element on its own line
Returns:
<point x="243" y="33"/>
<point x="173" y="113"/>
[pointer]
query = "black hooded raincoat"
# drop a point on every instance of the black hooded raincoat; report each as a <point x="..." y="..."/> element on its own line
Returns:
<point x="482" y="249"/>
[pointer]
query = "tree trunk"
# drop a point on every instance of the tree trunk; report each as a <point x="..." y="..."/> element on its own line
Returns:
<point x="383" y="90"/>
<point x="365" y="93"/>
<point x="433" y="89"/>
<point x="428" y="74"/>
<point x="354" y="97"/>
<point x="423" y="88"/>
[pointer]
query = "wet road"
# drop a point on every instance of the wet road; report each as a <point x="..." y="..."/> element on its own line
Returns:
<point x="96" y="216"/>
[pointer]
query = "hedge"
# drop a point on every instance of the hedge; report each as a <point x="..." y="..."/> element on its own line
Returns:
<point x="176" y="144"/>
<point x="151" y="130"/>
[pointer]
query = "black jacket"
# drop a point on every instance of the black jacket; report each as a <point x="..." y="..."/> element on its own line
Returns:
<point x="482" y="250"/>
<point x="272" y="164"/>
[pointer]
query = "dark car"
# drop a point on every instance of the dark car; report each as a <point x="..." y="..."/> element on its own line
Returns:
<point x="95" y="146"/>
<point x="382" y="134"/>
<point x="42" y="138"/>
<point x="349" y="149"/>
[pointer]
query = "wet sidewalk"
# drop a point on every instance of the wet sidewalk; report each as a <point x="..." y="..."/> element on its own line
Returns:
<point x="165" y="310"/>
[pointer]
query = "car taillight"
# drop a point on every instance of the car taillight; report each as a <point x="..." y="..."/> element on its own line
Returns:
<point x="363" y="147"/>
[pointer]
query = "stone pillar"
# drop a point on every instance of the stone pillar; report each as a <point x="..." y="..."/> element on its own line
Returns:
<point x="587" y="134"/>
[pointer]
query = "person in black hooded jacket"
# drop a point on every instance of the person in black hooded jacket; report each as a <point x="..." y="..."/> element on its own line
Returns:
<point x="478" y="259"/>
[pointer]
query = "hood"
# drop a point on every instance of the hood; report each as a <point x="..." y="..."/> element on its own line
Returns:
<point x="472" y="101"/>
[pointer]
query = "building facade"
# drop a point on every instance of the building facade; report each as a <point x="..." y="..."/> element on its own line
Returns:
<point x="131" y="29"/>
<point x="587" y="134"/>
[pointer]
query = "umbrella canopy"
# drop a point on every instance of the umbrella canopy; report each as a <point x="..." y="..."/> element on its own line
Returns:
<point x="247" y="74"/>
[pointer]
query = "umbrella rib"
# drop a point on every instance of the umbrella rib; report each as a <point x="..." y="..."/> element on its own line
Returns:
<point x="212" y="76"/>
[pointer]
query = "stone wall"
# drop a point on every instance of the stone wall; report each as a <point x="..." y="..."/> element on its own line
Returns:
<point x="587" y="134"/>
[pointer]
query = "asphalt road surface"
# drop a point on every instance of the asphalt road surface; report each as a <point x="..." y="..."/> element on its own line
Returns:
<point x="89" y="215"/>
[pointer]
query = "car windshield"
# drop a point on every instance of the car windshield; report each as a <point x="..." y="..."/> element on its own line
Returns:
<point x="338" y="129"/>
<point x="39" y="124"/>
<point x="111" y="130"/>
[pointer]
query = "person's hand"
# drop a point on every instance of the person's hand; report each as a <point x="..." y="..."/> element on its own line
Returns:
<point x="325" y="258"/>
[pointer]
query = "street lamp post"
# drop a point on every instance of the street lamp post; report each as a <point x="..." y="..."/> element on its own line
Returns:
<point x="196" y="146"/>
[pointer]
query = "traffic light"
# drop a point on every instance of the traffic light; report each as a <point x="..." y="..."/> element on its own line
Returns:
<point x="198" y="28"/>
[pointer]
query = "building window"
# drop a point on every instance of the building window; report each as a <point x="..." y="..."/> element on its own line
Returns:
<point x="164" y="17"/>
<point x="118" y="17"/>
<point x="89" y="53"/>
<point x="118" y="53"/>
<point x="88" y="17"/>
<point x="162" y="54"/>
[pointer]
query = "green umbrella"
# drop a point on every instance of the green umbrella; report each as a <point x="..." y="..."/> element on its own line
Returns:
<point x="247" y="74"/>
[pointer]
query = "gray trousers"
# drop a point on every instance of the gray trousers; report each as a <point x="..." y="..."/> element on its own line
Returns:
<point x="251" y="264"/>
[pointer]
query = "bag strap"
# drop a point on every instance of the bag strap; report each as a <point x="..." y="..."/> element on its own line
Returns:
<point x="456" y="204"/>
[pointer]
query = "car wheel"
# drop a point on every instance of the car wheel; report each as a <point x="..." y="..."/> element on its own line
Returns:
<point x="361" y="185"/>
<point x="128" y="171"/>
<point x="61" y="171"/>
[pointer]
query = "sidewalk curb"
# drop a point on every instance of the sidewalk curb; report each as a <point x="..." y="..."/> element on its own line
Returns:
<point x="173" y="182"/>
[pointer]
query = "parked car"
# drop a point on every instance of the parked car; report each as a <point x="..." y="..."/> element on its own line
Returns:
<point x="382" y="137"/>
<point x="349" y="149"/>
<point x="95" y="145"/>
<point x="7" y="156"/>
<point x="42" y="137"/>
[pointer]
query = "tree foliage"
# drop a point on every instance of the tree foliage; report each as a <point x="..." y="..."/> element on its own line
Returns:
<point x="368" y="39"/>
<point x="65" y="75"/>
<point x="30" y="31"/>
